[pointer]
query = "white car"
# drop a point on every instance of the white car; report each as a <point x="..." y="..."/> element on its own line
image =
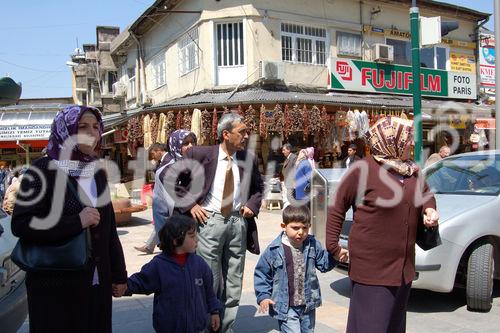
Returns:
<point x="13" y="299"/>
<point x="467" y="189"/>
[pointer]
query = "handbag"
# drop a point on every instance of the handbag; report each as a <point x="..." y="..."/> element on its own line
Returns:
<point x="71" y="254"/>
<point x="428" y="238"/>
<point x="252" y="236"/>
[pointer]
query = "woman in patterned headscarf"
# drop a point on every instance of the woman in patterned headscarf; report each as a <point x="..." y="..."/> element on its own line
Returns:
<point x="80" y="300"/>
<point x="389" y="199"/>
<point x="304" y="166"/>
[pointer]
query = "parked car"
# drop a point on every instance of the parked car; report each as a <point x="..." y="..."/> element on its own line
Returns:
<point x="13" y="299"/>
<point x="467" y="189"/>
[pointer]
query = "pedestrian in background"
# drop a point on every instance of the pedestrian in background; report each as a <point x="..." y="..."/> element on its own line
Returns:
<point x="288" y="170"/>
<point x="285" y="278"/>
<point x="71" y="301"/>
<point x="181" y="281"/>
<point x="395" y="199"/>
<point x="231" y="194"/>
<point x="304" y="166"/>
<point x="9" y="199"/>
<point x="444" y="152"/>
<point x="351" y="156"/>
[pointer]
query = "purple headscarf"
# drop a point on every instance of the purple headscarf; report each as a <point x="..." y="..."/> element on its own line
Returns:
<point x="65" y="124"/>
<point x="176" y="140"/>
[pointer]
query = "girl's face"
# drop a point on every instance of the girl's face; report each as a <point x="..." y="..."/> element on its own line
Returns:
<point x="88" y="133"/>
<point x="190" y="243"/>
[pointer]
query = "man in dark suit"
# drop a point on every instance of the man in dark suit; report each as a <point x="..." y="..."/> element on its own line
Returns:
<point x="351" y="156"/>
<point x="158" y="153"/>
<point x="288" y="170"/>
<point x="232" y="192"/>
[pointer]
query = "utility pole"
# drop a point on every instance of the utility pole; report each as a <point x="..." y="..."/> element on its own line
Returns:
<point x="497" y="74"/>
<point x="417" y="96"/>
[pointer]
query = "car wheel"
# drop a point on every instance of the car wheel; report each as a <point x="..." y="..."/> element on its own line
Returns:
<point x="480" y="278"/>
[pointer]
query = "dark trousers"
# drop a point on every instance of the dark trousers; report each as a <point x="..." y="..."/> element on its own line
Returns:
<point x="378" y="309"/>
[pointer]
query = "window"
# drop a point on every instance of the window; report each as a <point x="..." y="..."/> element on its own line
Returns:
<point x="430" y="57"/>
<point x="157" y="71"/>
<point x="230" y="44"/>
<point x="131" y="83"/>
<point x="112" y="76"/>
<point x="433" y="57"/>
<point x="188" y="52"/>
<point x="303" y="44"/>
<point x="348" y="44"/>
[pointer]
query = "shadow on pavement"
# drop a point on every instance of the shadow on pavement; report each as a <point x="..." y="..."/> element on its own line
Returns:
<point x="122" y="232"/>
<point x="342" y="287"/>
<point x="134" y="222"/>
<point x="247" y="321"/>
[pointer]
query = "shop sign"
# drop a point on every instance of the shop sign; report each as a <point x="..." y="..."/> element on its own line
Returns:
<point x="487" y="60"/>
<point x="373" y="77"/>
<point x="462" y="62"/>
<point x="485" y="123"/>
<point x="24" y="132"/>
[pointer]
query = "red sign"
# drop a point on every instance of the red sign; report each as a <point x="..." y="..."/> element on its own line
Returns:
<point x="120" y="136"/>
<point x="485" y="123"/>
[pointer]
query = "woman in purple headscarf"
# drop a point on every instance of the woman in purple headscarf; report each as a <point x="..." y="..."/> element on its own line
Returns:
<point x="163" y="205"/>
<point x="71" y="301"/>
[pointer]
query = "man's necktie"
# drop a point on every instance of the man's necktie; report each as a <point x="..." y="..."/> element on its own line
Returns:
<point x="227" y="193"/>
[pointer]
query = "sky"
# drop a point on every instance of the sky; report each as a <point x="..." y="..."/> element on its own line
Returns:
<point x="38" y="37"/>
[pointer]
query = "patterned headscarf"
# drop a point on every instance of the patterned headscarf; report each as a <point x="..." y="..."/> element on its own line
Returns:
<point x="388" y="138"/>
<point x="65" y="125"/>
<point x="306" y="154"/>
<point x="176" y="140"/>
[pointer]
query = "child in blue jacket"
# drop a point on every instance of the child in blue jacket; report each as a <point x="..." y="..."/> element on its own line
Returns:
<point x="285" y="278"/>
<point x="181" y="281"/>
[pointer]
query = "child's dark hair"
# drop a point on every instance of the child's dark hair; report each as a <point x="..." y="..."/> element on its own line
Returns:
<point x="173" y="233"/>
<point x="294" y="213"/>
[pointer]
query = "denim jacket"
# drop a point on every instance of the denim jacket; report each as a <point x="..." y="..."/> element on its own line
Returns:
<point x="271" y="279"/>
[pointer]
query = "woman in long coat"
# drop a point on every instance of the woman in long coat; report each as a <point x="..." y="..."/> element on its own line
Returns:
<point x="71" y="301"/>
<point x="389" y="198"/>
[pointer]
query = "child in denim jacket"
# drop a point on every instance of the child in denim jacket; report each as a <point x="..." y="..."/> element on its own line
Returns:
<point x="285" y="278"/>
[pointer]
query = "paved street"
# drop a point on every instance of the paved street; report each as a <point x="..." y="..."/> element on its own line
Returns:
<point x="428" y="311"/>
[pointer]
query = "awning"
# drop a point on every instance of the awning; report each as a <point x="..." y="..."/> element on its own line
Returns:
<point x="31" y="143"/>
<point x="25" y="125"/>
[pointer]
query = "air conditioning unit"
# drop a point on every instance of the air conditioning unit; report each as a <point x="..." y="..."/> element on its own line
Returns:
<point x="271" y="70"/>
<point x="148" y="100"/>
<point x="119" y="89"/>
<point x="383" y="52"/>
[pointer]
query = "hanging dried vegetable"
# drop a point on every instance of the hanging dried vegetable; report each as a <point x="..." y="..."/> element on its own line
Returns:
<point x="276" y="121"/>
<point x="305" y="118"/>
<point x="186" y="121"/>
<point x="240" y="111"/>
<point x="286" y="127"/>
<point x="296" y="119"/>
<point x="178" y="120"/>
<point x="170" y="123"/>
<point x="315" y="121"/>
<point x="135" y="135"/>
<point x="154" y="127"/>
<point x="206" y="125"/>
<point x="263" y="121"/>
<point x="250" y="119"/>
<point x="214" y="124"/>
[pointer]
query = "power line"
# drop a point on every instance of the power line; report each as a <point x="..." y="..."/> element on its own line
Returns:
<point x="28" y="68"/>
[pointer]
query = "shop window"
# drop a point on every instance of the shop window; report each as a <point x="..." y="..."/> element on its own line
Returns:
<point x="112" y="77"/>
<point x="230" y="44"/>
<point x="430" y="57"/>
<point x="402" y="51"/>
<point x="303" y="44"/>
<point x="157" y="71"/>
<point x="188" y="52"/>
<point x="131" y="83"/>
<point x="348" y="44"/>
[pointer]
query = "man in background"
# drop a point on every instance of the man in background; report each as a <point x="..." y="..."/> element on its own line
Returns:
<point x="444" y="151"/>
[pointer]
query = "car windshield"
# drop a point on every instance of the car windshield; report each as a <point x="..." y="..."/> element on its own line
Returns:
<point x="468" y="174"/>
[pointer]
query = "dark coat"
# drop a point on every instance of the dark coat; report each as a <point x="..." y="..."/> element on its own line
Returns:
<point x="251" y="187"/>
<point x="382" y="236"/>
<point x="354" y="159"/>
<point x="288" y="170"/>
<point x="67" y="301"/>
<point x="183" y="295"/>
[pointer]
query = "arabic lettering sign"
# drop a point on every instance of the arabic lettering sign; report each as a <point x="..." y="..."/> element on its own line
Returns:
<point x="357" y="75"/>
<point x="24" y="132"/>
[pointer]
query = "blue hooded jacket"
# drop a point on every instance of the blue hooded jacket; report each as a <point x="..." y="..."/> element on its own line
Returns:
<point x="271" y="279"/>
<point x="183" y="295"/>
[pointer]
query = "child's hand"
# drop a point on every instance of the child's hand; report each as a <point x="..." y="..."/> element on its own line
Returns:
<point x="119" y="289"/>
<point x="215" y="322"/>
<point x="264" y="305"/>
<point x="342" y="256"/>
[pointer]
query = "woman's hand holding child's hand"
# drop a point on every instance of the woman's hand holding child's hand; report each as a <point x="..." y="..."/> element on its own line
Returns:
<point x="89" y="217"/>
<point x="431" y="218"/>
<point x="342" y="256"/>
<point x="119" y="289"/>
<point x="264" y="305"/>
<point x="215" y="322"/>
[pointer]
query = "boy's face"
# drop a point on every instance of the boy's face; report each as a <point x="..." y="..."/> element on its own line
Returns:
<point x="296" y="232"/>
<point x="190" y="243"/>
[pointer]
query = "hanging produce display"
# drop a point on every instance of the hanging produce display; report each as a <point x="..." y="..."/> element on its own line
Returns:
<point x="186" y="121"/>
<point x="170" y="123"/>
<point x="250" y="119"/>
<point x="305" y="119"/>
<point x="215" y="122"/>
<point x="178" y="120"/>
<point x="264" y="120"/>
<point x="154" y="127"/>
<point x="278" y="121"/>
<point x="206" y="126"/>
<point x="315" y="121"/>
<point x="161" y="138"/>
<point x="196" y="123"/>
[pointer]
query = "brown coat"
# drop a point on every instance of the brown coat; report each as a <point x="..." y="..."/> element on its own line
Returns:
<point x="382" y="239"/>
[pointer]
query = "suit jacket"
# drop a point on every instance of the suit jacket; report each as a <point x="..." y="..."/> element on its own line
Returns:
<point x="251" y="187"/>
<point x="344" y="161"/>
<point x="288" y="170"/>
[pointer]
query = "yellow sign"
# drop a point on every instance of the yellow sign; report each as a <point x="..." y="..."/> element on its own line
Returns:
<point x="462" y="62"/>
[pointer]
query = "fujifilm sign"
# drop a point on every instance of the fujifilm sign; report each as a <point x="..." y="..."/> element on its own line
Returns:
<point x="357" y="75"/>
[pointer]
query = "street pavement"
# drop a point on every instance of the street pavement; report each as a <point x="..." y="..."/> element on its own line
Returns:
<point x="427" y="311"/>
